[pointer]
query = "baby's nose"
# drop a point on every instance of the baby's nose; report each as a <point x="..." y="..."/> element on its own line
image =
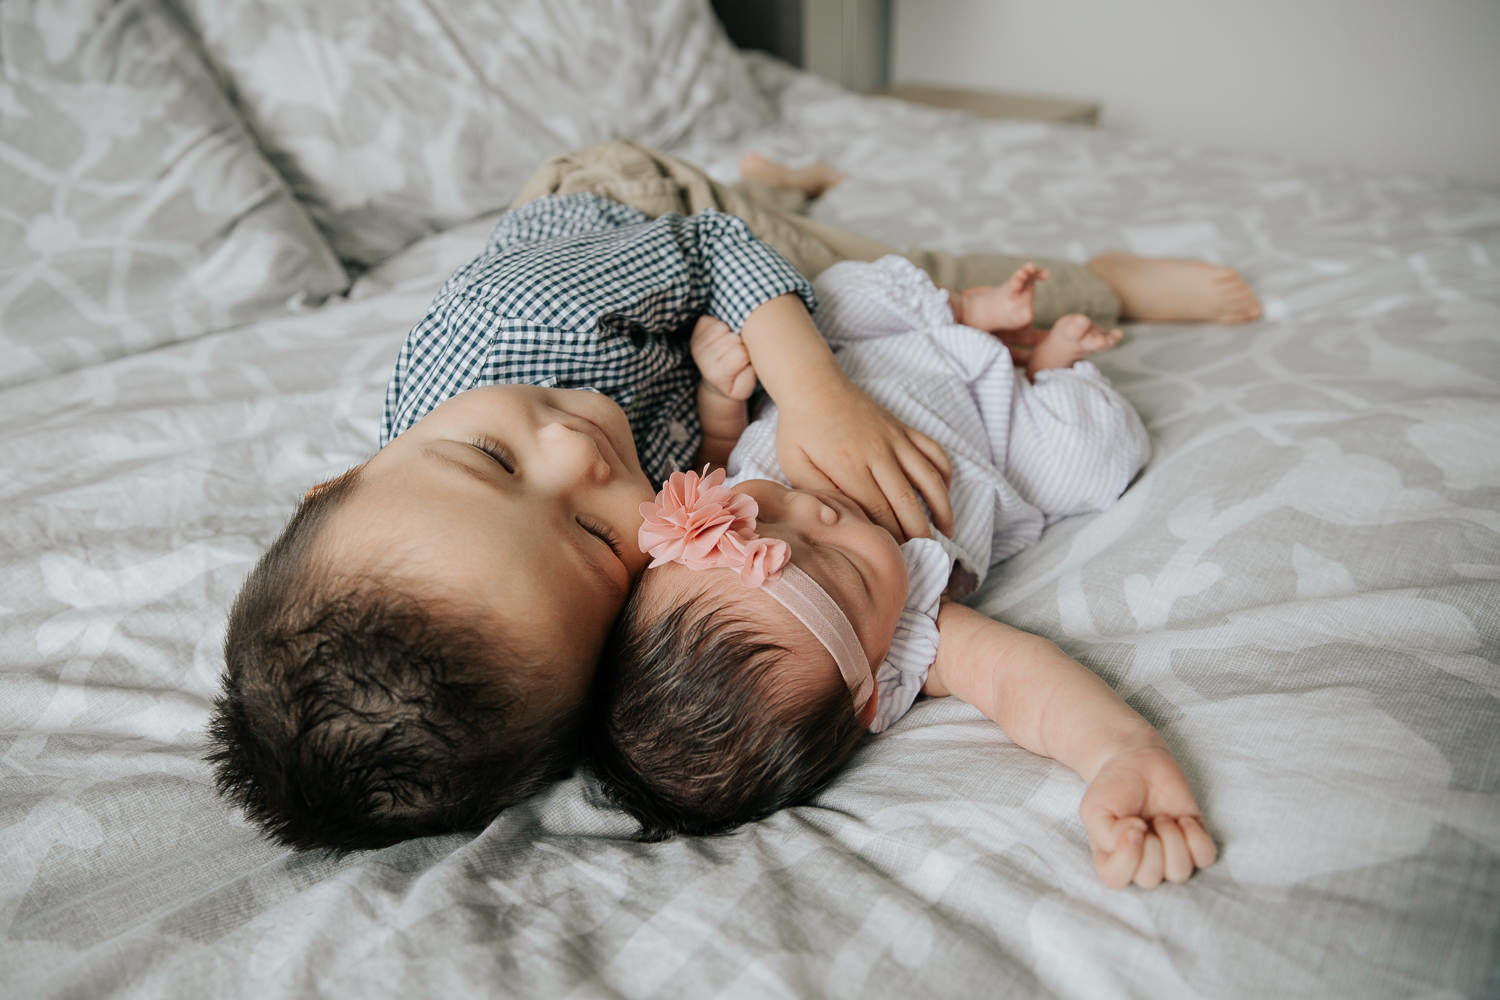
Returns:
<point x="815" y="505"/>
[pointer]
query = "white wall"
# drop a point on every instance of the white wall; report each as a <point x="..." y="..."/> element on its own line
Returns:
<point x="1392" y="84"/>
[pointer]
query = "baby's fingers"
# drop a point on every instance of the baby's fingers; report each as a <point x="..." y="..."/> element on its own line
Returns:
<point x="708" y="333"/>
<point x="1205" y="852"/>
<point x="1149" y="874"/>
<point x="744" y="383"/>
<point x="1116" y="847"/>
<point x="1177" y="861"/>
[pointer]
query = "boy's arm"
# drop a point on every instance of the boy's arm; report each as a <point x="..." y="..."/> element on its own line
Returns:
<point x="833" y="436"/>
<point x="1142" y="821"/>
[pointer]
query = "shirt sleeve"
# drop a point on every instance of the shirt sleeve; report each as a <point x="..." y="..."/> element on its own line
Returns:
<point x="861" y="300"/>
<point x="581" y="292"/>
<point x="592" y="257"/>
<point x="556" y="216"/>
<point x="900" y="676"/>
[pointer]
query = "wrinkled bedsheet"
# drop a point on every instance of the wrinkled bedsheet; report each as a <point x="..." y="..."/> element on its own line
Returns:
<point x="1302" y="590"/>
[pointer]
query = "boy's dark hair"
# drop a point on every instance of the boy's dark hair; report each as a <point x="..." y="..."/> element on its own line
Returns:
<point x="695" y="733"/>
<point x="352" y="716"/>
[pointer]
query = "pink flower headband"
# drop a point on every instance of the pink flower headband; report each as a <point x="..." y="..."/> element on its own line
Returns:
<point x="703" y="524"/>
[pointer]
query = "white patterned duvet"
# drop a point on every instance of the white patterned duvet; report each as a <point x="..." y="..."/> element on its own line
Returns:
<point x="1301" y="590"/>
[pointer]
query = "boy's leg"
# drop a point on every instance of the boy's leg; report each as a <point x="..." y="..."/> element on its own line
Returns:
<point x="1070" y="288"/>
<point x="809" y="182"/>
<point x="1111" y="287"/>
<point x="783" y="199"/>
<point x="656" y="183"/>
<point x="1172" y="290"/>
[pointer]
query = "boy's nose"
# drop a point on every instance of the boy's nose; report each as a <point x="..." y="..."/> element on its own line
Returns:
<point x="573" y="459"/>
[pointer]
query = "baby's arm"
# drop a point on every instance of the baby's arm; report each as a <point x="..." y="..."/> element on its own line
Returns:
<point x="1142" y="821"/>
<point x="832" y="436"/>
<point x="727" y="380"/>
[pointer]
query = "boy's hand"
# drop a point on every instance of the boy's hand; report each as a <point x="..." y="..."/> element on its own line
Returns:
<point x="1143" y="822"/>
<point x="722" y="359"/>
<point x="833" y="436"/>
<point x="840" y="439"/>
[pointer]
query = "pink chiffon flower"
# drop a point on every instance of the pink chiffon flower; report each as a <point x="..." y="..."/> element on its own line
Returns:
<point x="703" y="524"/>
<point x="758" y="559"/>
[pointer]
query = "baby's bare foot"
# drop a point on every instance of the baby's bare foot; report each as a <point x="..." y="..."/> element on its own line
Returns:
<point x="1165" y="290"/>
<point x="1072" y="338"/>
<point x="813" y="180"/>
<point x="1001" y="307"/>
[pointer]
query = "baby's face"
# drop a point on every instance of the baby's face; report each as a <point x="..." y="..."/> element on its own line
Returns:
<point x="851" y="557"/>
<point x="520" y="501"/>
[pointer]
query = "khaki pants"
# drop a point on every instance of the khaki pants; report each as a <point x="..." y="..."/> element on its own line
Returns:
<point x="656" y="183"/>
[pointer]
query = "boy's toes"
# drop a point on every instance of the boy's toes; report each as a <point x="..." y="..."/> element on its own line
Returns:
<point x="1237" y="302"/>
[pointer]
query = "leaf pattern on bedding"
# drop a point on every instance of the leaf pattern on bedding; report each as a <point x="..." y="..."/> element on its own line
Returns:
<point x="138" y="211"/>
<point x="394" y="120"/>
<point x="1301" y="590"/>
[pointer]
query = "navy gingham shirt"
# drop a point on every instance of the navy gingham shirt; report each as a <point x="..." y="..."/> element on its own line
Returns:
<point x="580" y="292"/>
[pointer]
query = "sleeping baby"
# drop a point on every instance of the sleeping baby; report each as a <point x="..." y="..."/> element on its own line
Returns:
<point x="775" y="626"/>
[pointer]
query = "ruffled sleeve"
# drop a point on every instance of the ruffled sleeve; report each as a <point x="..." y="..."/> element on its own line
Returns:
<point x="900" y="676"/>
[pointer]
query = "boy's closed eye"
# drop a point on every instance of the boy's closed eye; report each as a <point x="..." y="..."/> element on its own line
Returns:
<point x="496" y="451"/>
<point x="503" y="458"/>
<point x="603" y="532"/>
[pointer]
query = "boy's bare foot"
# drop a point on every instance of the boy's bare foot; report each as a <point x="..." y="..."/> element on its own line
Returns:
<point x="994" y="308"/>
<point x="1167" y="290"/>
<point x="813" y="180"/>
<point x="1072" y="338"/>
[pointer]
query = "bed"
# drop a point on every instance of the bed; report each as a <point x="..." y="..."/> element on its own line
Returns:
<point x="219" y="222"/>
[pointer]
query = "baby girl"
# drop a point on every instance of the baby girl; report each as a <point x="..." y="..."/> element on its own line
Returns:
<point x="776" y="627"/>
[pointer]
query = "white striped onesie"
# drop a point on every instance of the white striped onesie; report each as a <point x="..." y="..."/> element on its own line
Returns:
<point x="1023" y="455"/>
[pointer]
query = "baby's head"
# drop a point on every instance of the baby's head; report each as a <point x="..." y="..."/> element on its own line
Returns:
<point x="412" y="654"/>
<point x="722" y="702"/>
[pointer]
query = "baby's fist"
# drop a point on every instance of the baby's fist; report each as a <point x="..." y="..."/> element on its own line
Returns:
<point x="1143" y="823"/>
<point x="721" y="358"/>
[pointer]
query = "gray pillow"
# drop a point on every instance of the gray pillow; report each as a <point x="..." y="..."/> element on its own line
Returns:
<point x="395" y="119"/>
<point x="137" y="209"/>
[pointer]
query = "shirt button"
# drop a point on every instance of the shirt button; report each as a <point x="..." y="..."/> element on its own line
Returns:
<point x="677" y="433"/>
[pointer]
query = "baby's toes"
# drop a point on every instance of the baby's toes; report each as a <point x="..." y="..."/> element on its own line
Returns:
<point x="1096" y="338"/>
<point x="1073" y="328"/>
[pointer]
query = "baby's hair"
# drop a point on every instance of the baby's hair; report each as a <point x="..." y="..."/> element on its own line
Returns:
<point x="354" y="715"/>
<point x="699" y="732"/>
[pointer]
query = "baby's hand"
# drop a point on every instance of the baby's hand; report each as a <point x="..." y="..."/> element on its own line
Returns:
<point x="1143" y="822"/>
<point x="722" y="359"/>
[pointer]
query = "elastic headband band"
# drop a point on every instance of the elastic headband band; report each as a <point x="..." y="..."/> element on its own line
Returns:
<point x="810" y="603"/>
